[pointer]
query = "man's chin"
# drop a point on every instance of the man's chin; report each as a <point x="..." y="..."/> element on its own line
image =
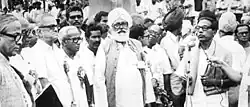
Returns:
<point x="77" y="25"/>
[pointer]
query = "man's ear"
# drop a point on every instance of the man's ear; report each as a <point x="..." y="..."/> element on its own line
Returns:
<point x="214" y="32"/>
<point x="87" y="39"/>
<point x="140" y="38"/>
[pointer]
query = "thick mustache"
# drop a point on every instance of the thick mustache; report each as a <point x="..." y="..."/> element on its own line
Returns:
<point x="77" y="23"/>
<point x="121" y="31"/>
<point x="97" y="43"/>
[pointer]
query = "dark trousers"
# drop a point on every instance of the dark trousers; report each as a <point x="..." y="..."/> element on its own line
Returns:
<point x="178" y="100"/>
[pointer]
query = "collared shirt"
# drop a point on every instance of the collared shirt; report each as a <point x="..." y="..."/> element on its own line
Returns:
<point x="13" y="93"/>
<point x="171" y="45"/>
<point x="238" y="53"/>
<point x="160" y="63"/>
<point x="47" y="64"/>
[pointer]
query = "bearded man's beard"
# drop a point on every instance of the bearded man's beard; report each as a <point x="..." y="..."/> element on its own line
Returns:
<point x="120" y="36"/>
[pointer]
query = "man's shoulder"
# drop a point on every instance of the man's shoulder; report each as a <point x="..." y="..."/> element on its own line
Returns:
<point x="135" y="42"/>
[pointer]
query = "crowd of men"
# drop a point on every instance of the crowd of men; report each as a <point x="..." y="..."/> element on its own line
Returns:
<point x="119" y="59"/>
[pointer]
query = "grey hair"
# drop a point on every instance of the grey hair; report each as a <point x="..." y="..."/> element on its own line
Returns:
<point x="40" y="19"/>
<point x="6" y="19"/>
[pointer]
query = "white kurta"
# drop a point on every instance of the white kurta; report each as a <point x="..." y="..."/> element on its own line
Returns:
<point x="243" y="95"/>
<point x="199" y="98"/>
<point x="128" y="81"/>
<point x="47" y="65"/>
<point x="79" y="92"/>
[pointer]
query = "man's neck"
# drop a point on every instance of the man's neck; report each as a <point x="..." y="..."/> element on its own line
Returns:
<point x="4" y="55"/>
<point x="69" y="53"/>
<point x="244" y="44"/>
<point x="205" y="45"/>
<point x="93" y="50"/>
<point x="176" y="34"/>
<point x="49" y="42"/>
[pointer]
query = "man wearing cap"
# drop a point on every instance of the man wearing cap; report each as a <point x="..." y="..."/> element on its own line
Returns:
<point x="227" y="25"/>
<point x="13" y="92"/>
<point x="70" y="39"/>
<point x="120" y="76"/>
<point x="204" y="90"/>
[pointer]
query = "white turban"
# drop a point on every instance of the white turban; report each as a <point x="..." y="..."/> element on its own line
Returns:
<point x="119" y="13"/>
<point x="66" y="31"/>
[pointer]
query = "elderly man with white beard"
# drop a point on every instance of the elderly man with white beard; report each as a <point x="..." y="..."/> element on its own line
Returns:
<point x="121" y="79"/>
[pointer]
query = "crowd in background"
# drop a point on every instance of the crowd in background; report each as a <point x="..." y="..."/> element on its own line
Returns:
<point x="165" y="53"/>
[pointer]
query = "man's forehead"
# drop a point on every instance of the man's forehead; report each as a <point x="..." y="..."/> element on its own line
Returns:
<point x="73" y="32"/>
<point x="120" y="20"/>
<point x="14" y="27"/>
<point x="242" y="29"/>
<point x="204" y="22"/>
<point x="73" y="13"/>
<point x="155" y="28"/>
<point x="95" y="32"/>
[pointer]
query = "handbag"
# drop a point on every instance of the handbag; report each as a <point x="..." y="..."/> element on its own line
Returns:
<point x="218" y="80"/>
<point x="216" y="74"/>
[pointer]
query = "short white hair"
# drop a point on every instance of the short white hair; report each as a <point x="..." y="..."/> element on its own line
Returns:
<point x="65" y="31"/>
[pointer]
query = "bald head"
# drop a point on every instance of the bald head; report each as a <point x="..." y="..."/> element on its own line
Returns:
<point x="46" y="19"/>
<point x="155" y="28"/>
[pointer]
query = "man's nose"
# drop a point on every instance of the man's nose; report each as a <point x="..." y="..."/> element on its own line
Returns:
<point x="19" y="42"/>
<point x="76" y="18"/>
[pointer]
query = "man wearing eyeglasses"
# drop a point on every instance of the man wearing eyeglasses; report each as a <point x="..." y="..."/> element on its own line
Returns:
<point x="120" y="76"/>
<point x="207" y="91"/>
<point x="13" y="92"/>
<point x="74" y="16"/>
<point x="70" y="38"/>
<point x="242" y="33"/>
<point x="46" y="61"/>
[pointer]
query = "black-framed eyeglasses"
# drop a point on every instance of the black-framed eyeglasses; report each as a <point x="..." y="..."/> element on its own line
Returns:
<point x="120" y="25"/>
<point x="17" y="36"/>
<point x="75" y="39"/>
<point x="105" y="21"/>
<point x="204" y="28"/>
<point x="52" y="27"/>
<point x="76" y="16"/>
<point x="242" y="33"/>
